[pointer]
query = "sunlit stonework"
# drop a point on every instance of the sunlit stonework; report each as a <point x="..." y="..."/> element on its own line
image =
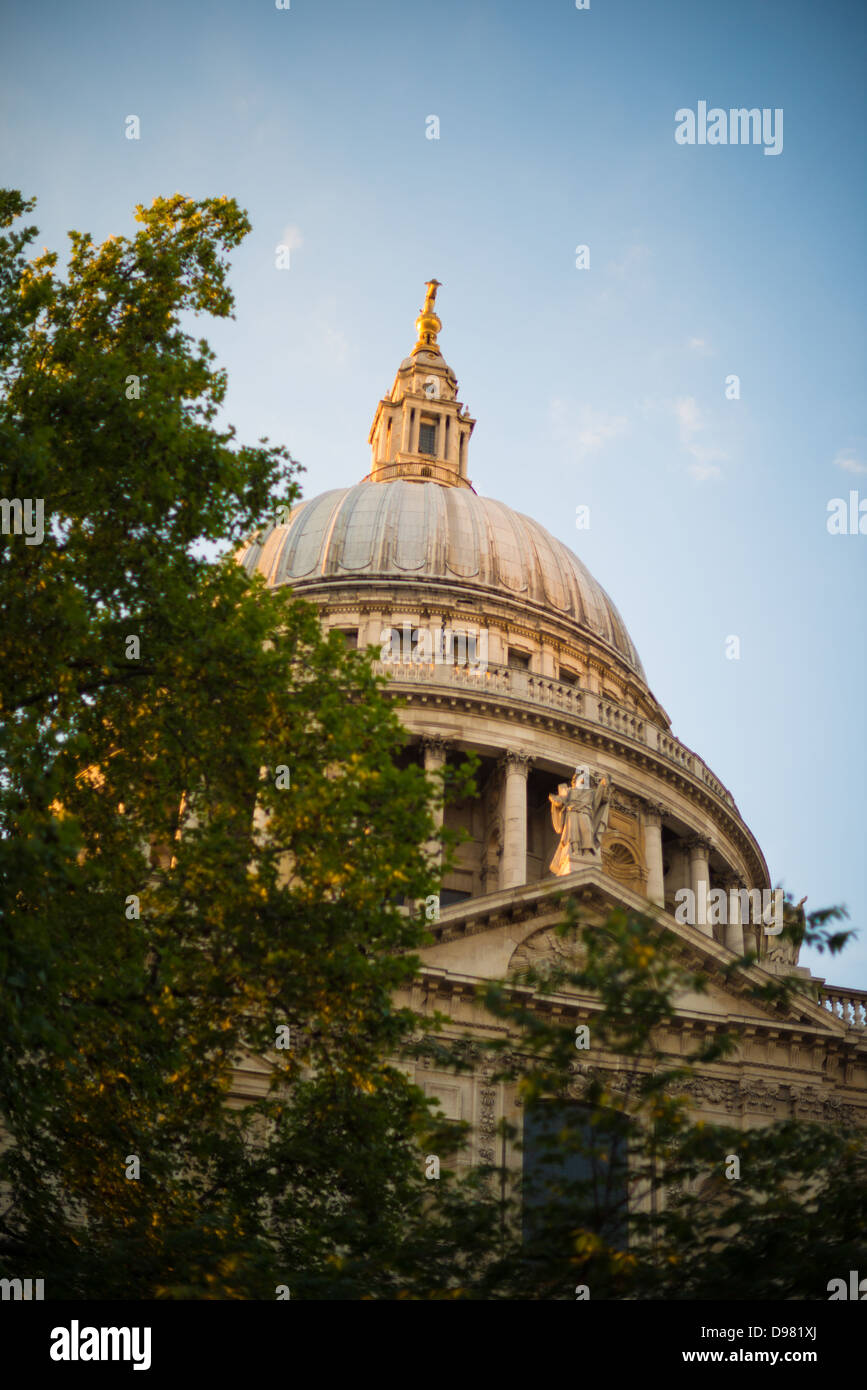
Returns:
<point x="413" y="548"/>
<point x="580" y="815"/>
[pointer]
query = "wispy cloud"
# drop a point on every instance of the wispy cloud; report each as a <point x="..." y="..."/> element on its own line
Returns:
<point x="581" y="429"/>
<point x="634" y="256"/>
<point x="692" y="426"/>
<point x="702" y="471"/>
<point x="848" y="459"/>
<point x="327" y="332"/>
<point x="689" y="417"/>
<point x="291" y="236"/>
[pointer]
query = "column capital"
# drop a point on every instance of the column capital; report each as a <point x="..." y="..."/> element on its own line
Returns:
<point x="730" y="881"/>
<point x="653" y="811"/>
<point x="512" y="762"/>
<point x="699" y="846"/>
<point x="435" y="743"/>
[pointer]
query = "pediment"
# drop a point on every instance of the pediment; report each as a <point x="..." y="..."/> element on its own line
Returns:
<point x="720" y="1000"/>
<point x="506" y="933"/>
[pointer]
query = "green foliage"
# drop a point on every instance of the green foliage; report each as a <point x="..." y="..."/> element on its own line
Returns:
<point x="682" y="1221"/>
<point x="133" y="981"/>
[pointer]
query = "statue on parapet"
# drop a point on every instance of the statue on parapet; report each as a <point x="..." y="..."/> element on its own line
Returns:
<point x="579" y="812"/>
<point x="786" y="949"/>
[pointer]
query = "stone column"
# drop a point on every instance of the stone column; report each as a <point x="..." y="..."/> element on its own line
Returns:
<point x="386" y="438"/>
<point x="734" y="936"/>
<point x="453" y="455"/>
<point x="369" y="629"/>
<point x="513" y="864"/>
<point x="653" y="852"/>
<point x="699" y="880"/>
<point x="435" y="751"/>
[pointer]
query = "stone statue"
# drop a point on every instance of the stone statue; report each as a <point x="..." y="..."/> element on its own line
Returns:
<point x="786" y="949"/>
<point x="580" y="815"/>
<point x="491" y="866"/>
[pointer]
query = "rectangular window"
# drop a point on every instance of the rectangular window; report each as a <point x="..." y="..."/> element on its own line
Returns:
<point x="450" y="896"/>
<point x="464" y="648"/>
<point x="519" y="661"/>
<point x="574" y="1175"/>
<point x="350" y="636"/>
<point x="427" y="438"/>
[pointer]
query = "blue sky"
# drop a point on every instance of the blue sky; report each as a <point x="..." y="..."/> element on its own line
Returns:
<point x="602" y="387"/>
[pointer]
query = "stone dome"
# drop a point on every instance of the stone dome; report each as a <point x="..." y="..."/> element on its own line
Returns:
<point x="405" y="530"/>
<point x="540" y="674"/>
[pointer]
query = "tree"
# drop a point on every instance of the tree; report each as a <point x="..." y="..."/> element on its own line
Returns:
<point x="161" y="713"/>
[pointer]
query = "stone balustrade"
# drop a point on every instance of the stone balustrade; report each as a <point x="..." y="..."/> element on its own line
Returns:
<point x="672" y="748"/>
<point x="850" y="1005"/>
<point x="623" y="721"/>
<point x="527" y="686"/>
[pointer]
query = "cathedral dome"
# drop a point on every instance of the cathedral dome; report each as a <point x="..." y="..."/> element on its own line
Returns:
<point x="406" y="530"/>
<point x="495" y="637"/>
<point x="416" y="523"/>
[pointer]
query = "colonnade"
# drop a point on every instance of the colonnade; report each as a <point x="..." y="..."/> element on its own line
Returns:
<point x="515" y="767"/>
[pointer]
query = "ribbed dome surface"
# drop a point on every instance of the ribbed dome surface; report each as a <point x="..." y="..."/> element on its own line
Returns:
<point x="403" y="530"/>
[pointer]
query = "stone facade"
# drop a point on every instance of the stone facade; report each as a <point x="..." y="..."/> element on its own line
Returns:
<point x="545" y="678"/>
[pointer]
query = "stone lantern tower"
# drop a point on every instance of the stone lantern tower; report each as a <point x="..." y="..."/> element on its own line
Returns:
<point x="420" y="429"/>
